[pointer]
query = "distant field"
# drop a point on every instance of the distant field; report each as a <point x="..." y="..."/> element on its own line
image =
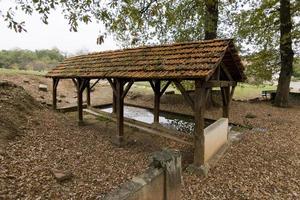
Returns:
<point x="247" y="91"/>
<point x="242" y="91"/>
<point x="17" y="71"/>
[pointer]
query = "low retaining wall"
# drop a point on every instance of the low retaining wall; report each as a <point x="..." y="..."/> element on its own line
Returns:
<point x="161" y="181"/>
<point x="215" y="138"/>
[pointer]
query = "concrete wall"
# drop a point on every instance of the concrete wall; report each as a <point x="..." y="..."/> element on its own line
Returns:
<point x="161" y="181"/>
<point x="152" y="189"/>
<point x="215" y="137"/>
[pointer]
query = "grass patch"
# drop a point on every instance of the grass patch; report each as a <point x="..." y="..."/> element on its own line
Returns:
<point x="242" y="91"/>
<point x="247" y="91"/>
<point x="103" y="119"/>
<point x="296" y="74"/>
<point x="18" y="71"/>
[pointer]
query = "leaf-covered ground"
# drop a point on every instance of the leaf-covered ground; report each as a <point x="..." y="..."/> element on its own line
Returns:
<point x="263" y="165"/>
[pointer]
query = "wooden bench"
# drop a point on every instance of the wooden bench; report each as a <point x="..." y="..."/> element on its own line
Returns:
<point x="268" y="94"/>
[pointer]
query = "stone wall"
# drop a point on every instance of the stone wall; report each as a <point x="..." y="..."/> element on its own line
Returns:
<point x="215" y="137"/>
<point x="161" y="181"/>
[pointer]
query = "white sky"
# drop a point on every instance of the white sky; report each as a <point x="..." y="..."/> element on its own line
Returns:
<point x="55" y="34"/>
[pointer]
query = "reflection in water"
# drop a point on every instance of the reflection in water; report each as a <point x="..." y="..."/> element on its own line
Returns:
<point x="174" y="121"/>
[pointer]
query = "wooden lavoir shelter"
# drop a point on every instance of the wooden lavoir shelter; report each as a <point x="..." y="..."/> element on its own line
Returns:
<point x="209" y="63"/>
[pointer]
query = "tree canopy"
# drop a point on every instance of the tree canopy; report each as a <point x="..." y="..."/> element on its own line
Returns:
<point x="30" y="60"/>
<point x="255" y="24"/>
<point x="258" y="27"/>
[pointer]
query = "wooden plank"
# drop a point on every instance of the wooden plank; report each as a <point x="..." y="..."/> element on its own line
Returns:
<point x="113" y="85"/>
<point x="214" y="83"/>
<point x="231" y="93"/>
<point x="95" y="83"/>
<point x="152" y="85"/>
<point x="128" y="86"/>
<point x="156" y="100"/>
<point x="114" y="103"/>
<point x="88" y="93"/>
<point x="227" y="73"/>
<point x="164" y="88"/>
<point x="225" y="98"/>
<point x="119" y="111"/>
<point x="54" y="93"/>
<point x="75" y="82"/>
<point x="79" y="101"/>
<point x="200" y="99"/>
<point x="186" y="96"/>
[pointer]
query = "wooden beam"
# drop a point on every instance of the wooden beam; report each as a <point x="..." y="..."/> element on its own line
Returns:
<point x="95" y="84"/>
<point x="186" y="96"/>
<point x="114" y="103"/>
<point x="152" y="85"/>
<point x="112" y="84"/>
<point x="54" y="93"/>
<point x="75" y="82"/>
<point x="213" y="83"/>
<point x="164" y="88"/>
<point x="120" y="111"/>
<point x="128" y="86"/>
<point x="156" y="100"/>
<point x="216" y="74"/>
<point x="79" y="100"/>
<point x="231" y="93"/>
<point x="88" y="93"/>
<point x="200" y="100"/>
<point x="225" y="98"/>
<point x="227" y="73"/>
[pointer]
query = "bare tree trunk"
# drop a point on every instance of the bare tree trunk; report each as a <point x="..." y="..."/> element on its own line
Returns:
<point x="211" y="19"/>
<point x="210" y="31"/>
<point x="286" y="54"/>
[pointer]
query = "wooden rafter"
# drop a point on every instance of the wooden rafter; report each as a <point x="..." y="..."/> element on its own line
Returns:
<point x="152" y="85"/>
<point x="95" y="83"/>
<point x="187" y="97"/>
<point x="54" y="93"/>
<point x="128" y="86"/>
<point x="164" y="88"/>
<point x="75" y="82"/>
<point x="213" y="83"/>
<point x="227" y="73"/>
<point x="113" y="85"/>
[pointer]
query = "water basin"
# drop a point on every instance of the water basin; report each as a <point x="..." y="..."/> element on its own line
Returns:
<point x="175" y="121"/>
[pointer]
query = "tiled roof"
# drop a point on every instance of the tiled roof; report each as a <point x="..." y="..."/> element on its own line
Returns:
<point x="180" y="60"/>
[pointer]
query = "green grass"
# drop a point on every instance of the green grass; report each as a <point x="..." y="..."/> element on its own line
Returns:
<point x="243" y="91"/>
<point x="247" y="91"/>
<point x="18" y="71"/>
<point x="296" y="75"/>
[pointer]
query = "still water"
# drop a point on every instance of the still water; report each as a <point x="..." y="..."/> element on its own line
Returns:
<point x="174" y="121"/>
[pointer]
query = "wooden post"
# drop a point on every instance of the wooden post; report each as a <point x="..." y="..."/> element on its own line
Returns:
<point x="54" y="93"/>
<point x="114" y="100"/>
<point x="119" y="111"/>
<point x="88" y="93"/>
<point x="114" y="104"/>
<point x="156" y="100"/>
<point x="199" y="108"/>
<point x="79" y="101"/>
<point x="225" y="98"/>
